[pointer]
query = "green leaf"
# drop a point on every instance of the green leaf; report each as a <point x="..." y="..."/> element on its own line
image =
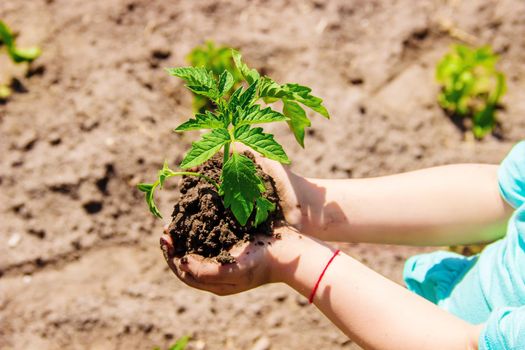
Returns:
<point x="181" y="343"/>
<point x="483" y="122"/>
<point x="204" y="149"/>
<point x="241" y="100"/>
<point x="500" y="89"/>
<point x="149" y="189"/>
<point x="17" y="54"/>
<point x="225" y="82"/>
<point x="5" y="91"/>
<point x="198" y="79"/>
<point x="250" y="75"/>
<point x="270" y="91"/>
<point x="261" y="142"/>
<point x="302" y="94"/>
<point x="256" y="115"/>
<point x="6" y="37"/>
<point x="207" y="120"/>
<point x="24" y="55"/>
<point x="263" y="208"/>
<point x="241" y="186"/>
<point x="248" y="96"/>
<point x="298" y="120"/>
<point x="164" y="173"/>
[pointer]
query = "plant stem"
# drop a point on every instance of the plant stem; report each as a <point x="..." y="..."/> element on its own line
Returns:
<point x="190" y="173"/>
<point x="226" y="153"/>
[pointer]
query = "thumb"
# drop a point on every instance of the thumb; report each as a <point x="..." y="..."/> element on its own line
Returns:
<point x="166" y="245"/>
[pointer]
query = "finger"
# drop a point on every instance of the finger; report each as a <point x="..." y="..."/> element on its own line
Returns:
<point x="210" y="272"/>
<point x="218" y="289"/>
<point x="166" y="245"/>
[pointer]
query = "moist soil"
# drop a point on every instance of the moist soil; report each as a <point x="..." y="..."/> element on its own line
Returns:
<point x="202" y="225"/>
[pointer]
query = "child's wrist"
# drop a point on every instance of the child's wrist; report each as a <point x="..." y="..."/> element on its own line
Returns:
<point x="297" y="260"/>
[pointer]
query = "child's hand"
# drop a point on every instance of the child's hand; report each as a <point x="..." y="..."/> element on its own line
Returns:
<point x="252" y="267"/>
<point x="287" y="184"/>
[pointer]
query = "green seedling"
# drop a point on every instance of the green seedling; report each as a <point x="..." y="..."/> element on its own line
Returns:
<point x="216" y="59"/>
<point x="17" y="55"/>
<point x="232" y="122"/>
<point x="471" y="86"/>
<point x="180" y="344"/>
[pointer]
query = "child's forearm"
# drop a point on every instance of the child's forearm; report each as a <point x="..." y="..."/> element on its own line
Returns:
<point x="370" y="309"/>
<point x="455" y="204"/>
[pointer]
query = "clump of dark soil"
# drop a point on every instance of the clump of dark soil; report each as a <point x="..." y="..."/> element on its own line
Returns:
<point x="203" y="226"/>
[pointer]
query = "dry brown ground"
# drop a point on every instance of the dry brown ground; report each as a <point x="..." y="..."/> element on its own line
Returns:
<point x="96" y="119"/>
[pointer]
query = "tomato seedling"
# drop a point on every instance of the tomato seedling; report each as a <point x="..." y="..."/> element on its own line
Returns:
<point x="471" y="86"/>
<point x="232" y="122"/>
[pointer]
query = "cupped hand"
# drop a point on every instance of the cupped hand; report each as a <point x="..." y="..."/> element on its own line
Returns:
<point x="253" y="267"/>
<point x="287" y="184"/>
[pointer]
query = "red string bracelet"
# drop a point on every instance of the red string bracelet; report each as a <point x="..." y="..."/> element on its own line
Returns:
<point x="312" y="295"/>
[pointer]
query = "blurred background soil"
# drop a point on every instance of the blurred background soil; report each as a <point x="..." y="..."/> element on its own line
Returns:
<point x="80" y="266"/>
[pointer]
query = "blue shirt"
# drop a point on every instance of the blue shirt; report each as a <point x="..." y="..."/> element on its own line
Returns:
<point x="489" y="287"/>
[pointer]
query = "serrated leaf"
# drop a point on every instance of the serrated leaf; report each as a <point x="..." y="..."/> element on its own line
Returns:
<point x="250" y="75"/>
<point x="207" y="120"/>
<point x="261" y="142"/>
<point x="204" y="149"/>
<point x="241" y="186"/>
<point x="270" y="90"/>
<point x="256" y="115"/>
<point x="226" y="82"/>
<point x="263" y="208"/>
<point x="298" y="120"/>
<point x="247" y="97"/>
<point x="302" y="94"/>
<point x="233" y="102"/>
<point x="241" y="100"/>
<point x="198" y="79"/>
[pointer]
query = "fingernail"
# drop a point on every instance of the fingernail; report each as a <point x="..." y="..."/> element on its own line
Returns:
<point x="183" y="264"/>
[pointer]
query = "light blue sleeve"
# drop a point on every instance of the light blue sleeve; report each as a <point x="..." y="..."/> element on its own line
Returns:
<point x="511" y="176"/>
<point x="505" y="329"/>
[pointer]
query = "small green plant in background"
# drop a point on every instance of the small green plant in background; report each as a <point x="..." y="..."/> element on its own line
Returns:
<point x="231" y="122"/>
<point x="180" y="344"/>
<point x="216" y="59"/>
<point x="471" y="86"/>
<point x="17" y="55"/>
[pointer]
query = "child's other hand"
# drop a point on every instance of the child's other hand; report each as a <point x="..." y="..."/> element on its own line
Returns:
<point x="287" y="184"/>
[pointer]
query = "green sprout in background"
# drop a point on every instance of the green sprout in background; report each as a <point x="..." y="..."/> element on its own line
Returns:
<point x="180" y="344"/>
<point x="471" y="86"/>
<point x="17" y="55"/>
<point x="216" y="59"/>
